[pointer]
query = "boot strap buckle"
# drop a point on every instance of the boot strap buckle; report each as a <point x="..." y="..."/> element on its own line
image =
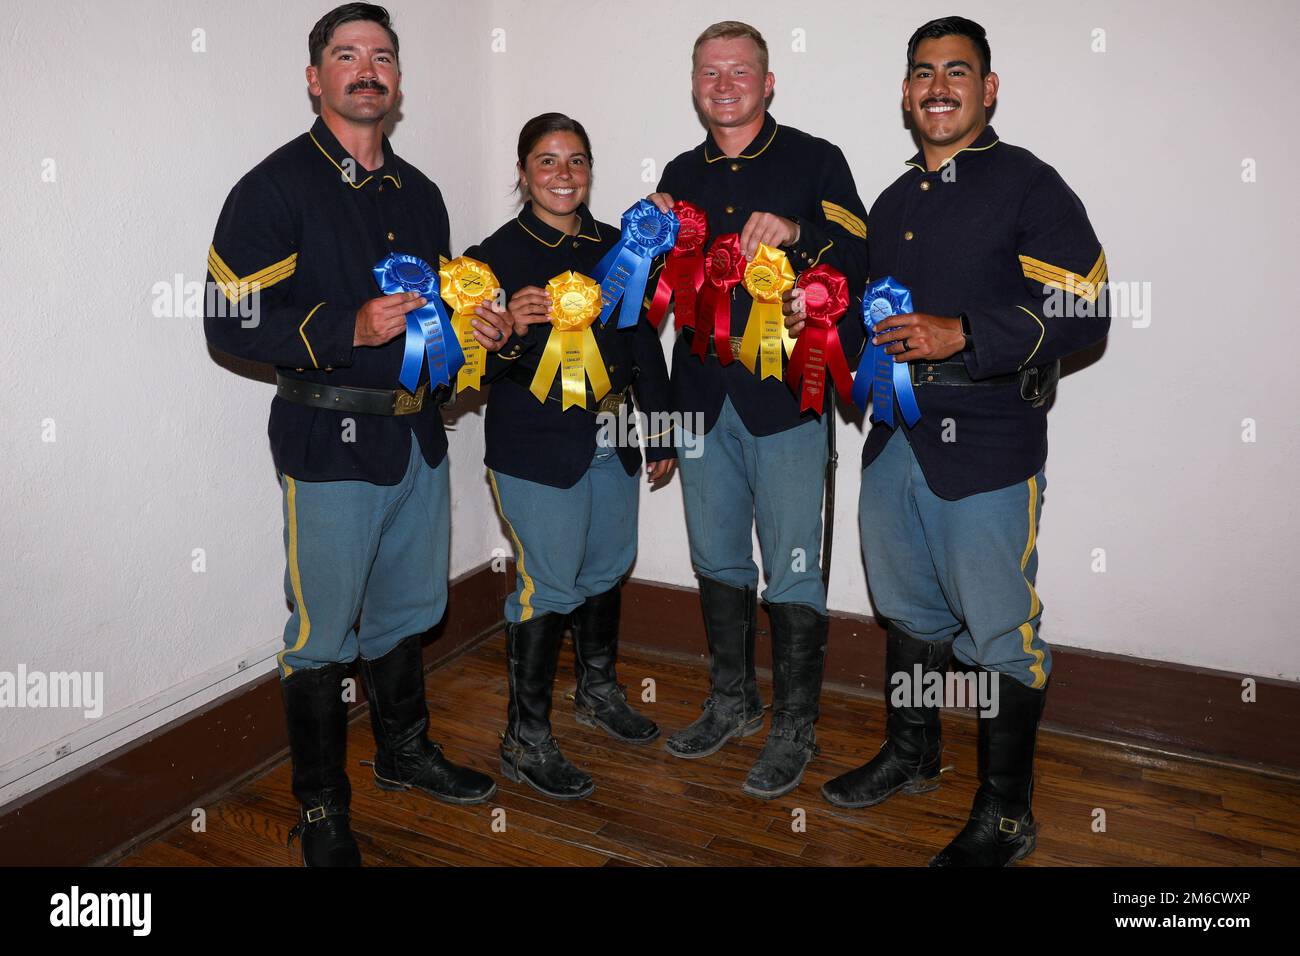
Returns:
<point x="1007" y="825"/>
<point x="315" y="815"/>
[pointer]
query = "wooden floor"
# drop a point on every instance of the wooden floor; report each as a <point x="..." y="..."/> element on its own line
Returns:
<point x="652" y="809"/>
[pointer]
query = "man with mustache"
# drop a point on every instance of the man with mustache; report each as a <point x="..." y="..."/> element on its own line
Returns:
<point x="362" y="463"/>
<point x="763" y="460"/>
<point x="1007" y="277"/>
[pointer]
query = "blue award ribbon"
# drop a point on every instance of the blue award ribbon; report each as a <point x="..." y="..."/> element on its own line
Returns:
<point x="624" y="271"/>
<point x="428" y="330"/>
<point x="879" y="377"/>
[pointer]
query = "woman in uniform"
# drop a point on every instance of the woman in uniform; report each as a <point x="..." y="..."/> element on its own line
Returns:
<point x="568" y="501"/>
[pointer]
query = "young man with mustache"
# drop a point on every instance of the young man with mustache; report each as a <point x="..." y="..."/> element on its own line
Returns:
<point x="1007" y="277"/>
<point x="362" y="462"/>
<point x="763" y="460"/>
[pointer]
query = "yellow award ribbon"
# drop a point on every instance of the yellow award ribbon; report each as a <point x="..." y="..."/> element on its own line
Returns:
<point x="767" y="277"/>
<point x="464" y="283"/>
<point x="571" y="348"/>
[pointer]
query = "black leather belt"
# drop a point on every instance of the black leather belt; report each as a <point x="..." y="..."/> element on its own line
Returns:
<point x="954" y="373"/>
<point x="363" y="401"/>
<point x="610" y="403"/>
<point x="1036" y="383"/>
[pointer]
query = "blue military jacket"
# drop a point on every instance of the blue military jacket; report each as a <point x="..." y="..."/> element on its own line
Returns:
<point x="997" y="234"/>
<point x="307" y="225"/>
<point x="538" y="441"/>
<point x="795" y="175"/>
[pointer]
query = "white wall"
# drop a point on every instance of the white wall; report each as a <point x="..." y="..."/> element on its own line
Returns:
<point x="159" y="451"/>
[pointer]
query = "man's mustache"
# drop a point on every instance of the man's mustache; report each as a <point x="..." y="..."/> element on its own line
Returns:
<point x="367" y="85"/>
<point x="939" y="101"/>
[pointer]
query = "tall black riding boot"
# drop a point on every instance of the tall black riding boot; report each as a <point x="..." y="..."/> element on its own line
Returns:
<point x="912" y="754"/>
<point x="798" y="662"/>
<point x="734" y="707"/>
<point x="529" y="752"/>
<point x="600" y="701"/>
<point x="405" y="755"/>
<point x="1001" y="827"/>
<point x="317" y="717"/>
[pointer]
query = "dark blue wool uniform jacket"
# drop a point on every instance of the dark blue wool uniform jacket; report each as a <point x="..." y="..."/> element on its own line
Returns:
<point x="997" y="234"/>
<point x="537" y="441"/>
<point x="789" y="173"/>
<point x="307" y="225"/>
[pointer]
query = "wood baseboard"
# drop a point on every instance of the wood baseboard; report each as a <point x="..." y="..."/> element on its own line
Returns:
<point x="97" y="812"/>
<point x="1169" y="707"/>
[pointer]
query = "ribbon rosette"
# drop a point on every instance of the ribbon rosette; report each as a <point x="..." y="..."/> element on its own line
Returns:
<point x="465" y="283"/>
<point x="767" y="277"/>
<point x="818" y="350"/>
<point x="625" y="269"/>
<point x="683" y="271"/>
<point x="571" y="348"/>
<point x="428" y="330"/>
<point x="880" y="378"/>
<point x="723" y="268"/>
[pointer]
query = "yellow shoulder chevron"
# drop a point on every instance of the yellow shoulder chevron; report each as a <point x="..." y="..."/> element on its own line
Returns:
<point x="235" y="287"/>
<point x="842" y="217"/>
<point x="1085" y="287"/>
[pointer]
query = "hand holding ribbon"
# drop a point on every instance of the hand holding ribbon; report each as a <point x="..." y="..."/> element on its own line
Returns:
<point x="625" y="269"/>
<point x="879" y="377"/>
<point x="683" y="271"/>
<point x="571" y="348"/>
<point x="767" y="277"/>
<point x="818" y="351"/>
<point x="465" y="283"/>
<point x="428" y="330"/>
<point x="723" y="268"/>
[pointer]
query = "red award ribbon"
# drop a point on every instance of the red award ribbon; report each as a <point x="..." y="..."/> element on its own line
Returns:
<point x="724" y="267"/>
<point x="683" y="271"/>
<point x="818" y="350"/>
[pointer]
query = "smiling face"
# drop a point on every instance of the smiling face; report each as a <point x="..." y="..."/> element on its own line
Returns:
<point x="358" y="78"/>
<point x="557" y="174"/>
<point x="728" y="84"/>
<point x="945" y="94"/>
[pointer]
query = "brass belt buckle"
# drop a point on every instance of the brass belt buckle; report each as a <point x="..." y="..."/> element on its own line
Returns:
<point x="404" y="403"/>
<point x="611" y="403"/>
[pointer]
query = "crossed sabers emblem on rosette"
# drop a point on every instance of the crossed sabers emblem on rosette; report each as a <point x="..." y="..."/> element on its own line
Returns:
<point x="448" y="343"/>
<point x="571" y="348"/>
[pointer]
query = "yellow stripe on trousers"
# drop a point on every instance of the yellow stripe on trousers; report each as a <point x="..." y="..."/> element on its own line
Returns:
<point x="1027" y="629"/>
<point x="304" y="622"/>
<point x="525" y="596"/>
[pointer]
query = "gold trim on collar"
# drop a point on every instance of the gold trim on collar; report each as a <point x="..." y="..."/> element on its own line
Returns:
<point x="964" y="149"/>
<point x="549" y="245"/>
<point x="345" y="177"/>
<point x="563" y="235"/>
<point x="775" y="126"/>
<point x="397" y="180"/>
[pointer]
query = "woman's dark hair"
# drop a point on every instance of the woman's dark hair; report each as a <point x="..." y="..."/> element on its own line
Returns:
<point x="948" y="27"/>
<point x="545" y="124"/>
<point x="319" y="37"/>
